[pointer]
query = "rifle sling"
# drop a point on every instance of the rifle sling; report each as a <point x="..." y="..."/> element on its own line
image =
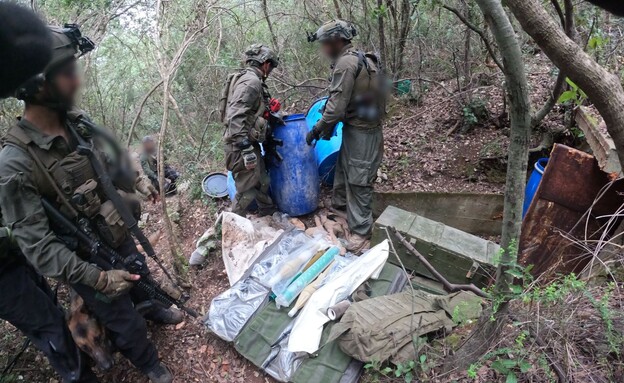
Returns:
<point x="111" y="192"/>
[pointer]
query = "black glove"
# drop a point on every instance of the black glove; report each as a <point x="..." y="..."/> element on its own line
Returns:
<point x="249" y="157"/>
<point x="312" y="136"/>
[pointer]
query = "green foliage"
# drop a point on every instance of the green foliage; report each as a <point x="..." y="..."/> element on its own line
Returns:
<point x="574" y="95"/>
<point x="505" y="361"/>
<point x="614" y="338"/>
<point x="409" y="371"/>
<point x="474" y="113"/>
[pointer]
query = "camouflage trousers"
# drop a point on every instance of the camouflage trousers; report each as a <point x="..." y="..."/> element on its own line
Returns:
<point x="251" y="185"/>
<point x="356" y="170"/>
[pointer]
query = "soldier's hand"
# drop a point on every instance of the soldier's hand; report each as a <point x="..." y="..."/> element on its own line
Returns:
<point x="312" y="136"/>
<point x="250" y="159"/>
<point x="114" y="283"/>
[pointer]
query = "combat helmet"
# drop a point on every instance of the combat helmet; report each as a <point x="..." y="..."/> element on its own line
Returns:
<point x="67" y="44"/>
<point x="261" y="53"/>
<point x="335" y="29"/>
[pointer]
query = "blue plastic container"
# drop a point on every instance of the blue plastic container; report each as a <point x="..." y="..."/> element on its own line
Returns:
<point x="295" y="181"/>
<point x="327" y="151"/>
<point x="231" y="188"/>
<point x="533" y="184"/>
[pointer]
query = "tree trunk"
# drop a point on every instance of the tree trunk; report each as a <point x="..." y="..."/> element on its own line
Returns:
<point x="382" y="33"/>
<point x="177" y="258"/>
<point x="265" y="9"/>
<point x="487" y="331"/>
<point x="603" y="88"/>
<point x="406" y="26"/>
<point x="338" y="11"/>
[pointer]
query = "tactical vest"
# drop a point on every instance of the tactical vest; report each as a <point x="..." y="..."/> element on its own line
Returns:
<point x="70" y="181"/>
<point x="371" y="97"/>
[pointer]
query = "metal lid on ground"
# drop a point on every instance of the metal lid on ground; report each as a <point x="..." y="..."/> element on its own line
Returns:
<point x="215" y="185"/>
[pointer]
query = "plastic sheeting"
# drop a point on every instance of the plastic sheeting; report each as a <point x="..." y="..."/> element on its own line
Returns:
<point x="231" y="310"/>
<point x="308" y="327"/>
<point x="243" y="241"/>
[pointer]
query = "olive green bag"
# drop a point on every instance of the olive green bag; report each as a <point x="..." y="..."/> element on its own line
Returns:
<point x="264" y="338"/>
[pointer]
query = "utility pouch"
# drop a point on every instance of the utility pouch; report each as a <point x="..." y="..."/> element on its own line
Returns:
<point x="86" y="199"/>
<point x="259" y="131"/>
<point x="71" y="172"/>
<point x="110" y="226"/>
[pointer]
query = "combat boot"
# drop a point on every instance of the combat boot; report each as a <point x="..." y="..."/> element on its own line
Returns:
<point x="160" y="374"/>
<point x="163" y="315"/>
<point x="357" y="244"/>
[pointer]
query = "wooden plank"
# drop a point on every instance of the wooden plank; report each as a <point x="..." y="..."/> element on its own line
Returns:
<point x="478" y="214"/>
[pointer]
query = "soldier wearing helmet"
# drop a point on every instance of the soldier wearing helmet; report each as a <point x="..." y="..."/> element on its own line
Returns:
<point x="244" y="104"/>
<point x="356" y="99"/>
<point x="45" y="156"/>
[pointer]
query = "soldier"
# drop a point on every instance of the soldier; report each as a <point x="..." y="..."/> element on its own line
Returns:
<point x="244" y="102"/>
<point x="356" y="99"/>
<point x="48" y="155"/>
<point x="149" y="163"/>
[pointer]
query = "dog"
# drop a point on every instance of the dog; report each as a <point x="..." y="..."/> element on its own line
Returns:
<point x="89" y="334"/>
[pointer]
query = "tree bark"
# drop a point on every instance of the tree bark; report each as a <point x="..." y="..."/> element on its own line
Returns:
<point x="338" y="11"/>
<point x="603" y="88"/>
<point x="265" y="9"/>
<point x="382" y="33"/>
<point x="487" y="331"/>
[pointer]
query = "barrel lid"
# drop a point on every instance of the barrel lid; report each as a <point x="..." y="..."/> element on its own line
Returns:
<point x="215" y="185"/>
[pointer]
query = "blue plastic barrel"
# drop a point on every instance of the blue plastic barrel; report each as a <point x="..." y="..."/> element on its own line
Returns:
<point x="231" y="188"/>
<point x="533" y="184"/>
<point x="327" y="151"/>
<point x="295" y="181"/>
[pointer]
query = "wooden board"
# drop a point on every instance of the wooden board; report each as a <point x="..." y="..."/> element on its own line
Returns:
<point x="478" y="214"/>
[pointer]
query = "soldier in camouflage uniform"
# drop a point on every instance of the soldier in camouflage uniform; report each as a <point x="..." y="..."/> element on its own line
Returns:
<point x="42" y="159"/>
<point x="149" y="164"/>
<point x="246" y="101"/>
<point x="356" y="99"/>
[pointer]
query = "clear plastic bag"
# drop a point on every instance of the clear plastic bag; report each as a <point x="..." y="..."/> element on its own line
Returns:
<point x="232" y="309"/>
<point x="285" y="271"/>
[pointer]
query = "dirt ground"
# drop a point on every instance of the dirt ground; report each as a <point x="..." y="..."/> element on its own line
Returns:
<point x="424" y="151"/>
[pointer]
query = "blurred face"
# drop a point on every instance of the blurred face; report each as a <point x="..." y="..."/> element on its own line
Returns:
<point x="332" y="48"/>
<point x="149" y="147"/>
<point x="66" y="83"/>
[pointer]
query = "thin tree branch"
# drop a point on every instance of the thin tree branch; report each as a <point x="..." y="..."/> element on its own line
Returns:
<point x="559" y="11"/>
<point x="138" y="114"/>
<point x="448" y="286"/>
<point x="478" y="31"/>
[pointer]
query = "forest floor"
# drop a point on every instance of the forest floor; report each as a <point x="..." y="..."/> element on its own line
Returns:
<point x="425" y="150"/>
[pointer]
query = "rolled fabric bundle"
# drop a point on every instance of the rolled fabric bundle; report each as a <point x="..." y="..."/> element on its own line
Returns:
<point x="336" y="312"/>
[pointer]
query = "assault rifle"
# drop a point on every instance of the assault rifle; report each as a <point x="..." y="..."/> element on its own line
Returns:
<point x="132" y="263"/>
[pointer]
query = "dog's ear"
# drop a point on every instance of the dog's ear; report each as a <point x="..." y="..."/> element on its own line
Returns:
<point x="614" y="6"/>
<point x="25" y="46"/>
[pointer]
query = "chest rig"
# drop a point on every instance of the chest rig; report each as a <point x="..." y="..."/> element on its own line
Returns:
<point x="67" y="176"/>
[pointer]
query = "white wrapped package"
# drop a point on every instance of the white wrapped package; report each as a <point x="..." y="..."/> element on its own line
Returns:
<point x="308" y="328"/>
